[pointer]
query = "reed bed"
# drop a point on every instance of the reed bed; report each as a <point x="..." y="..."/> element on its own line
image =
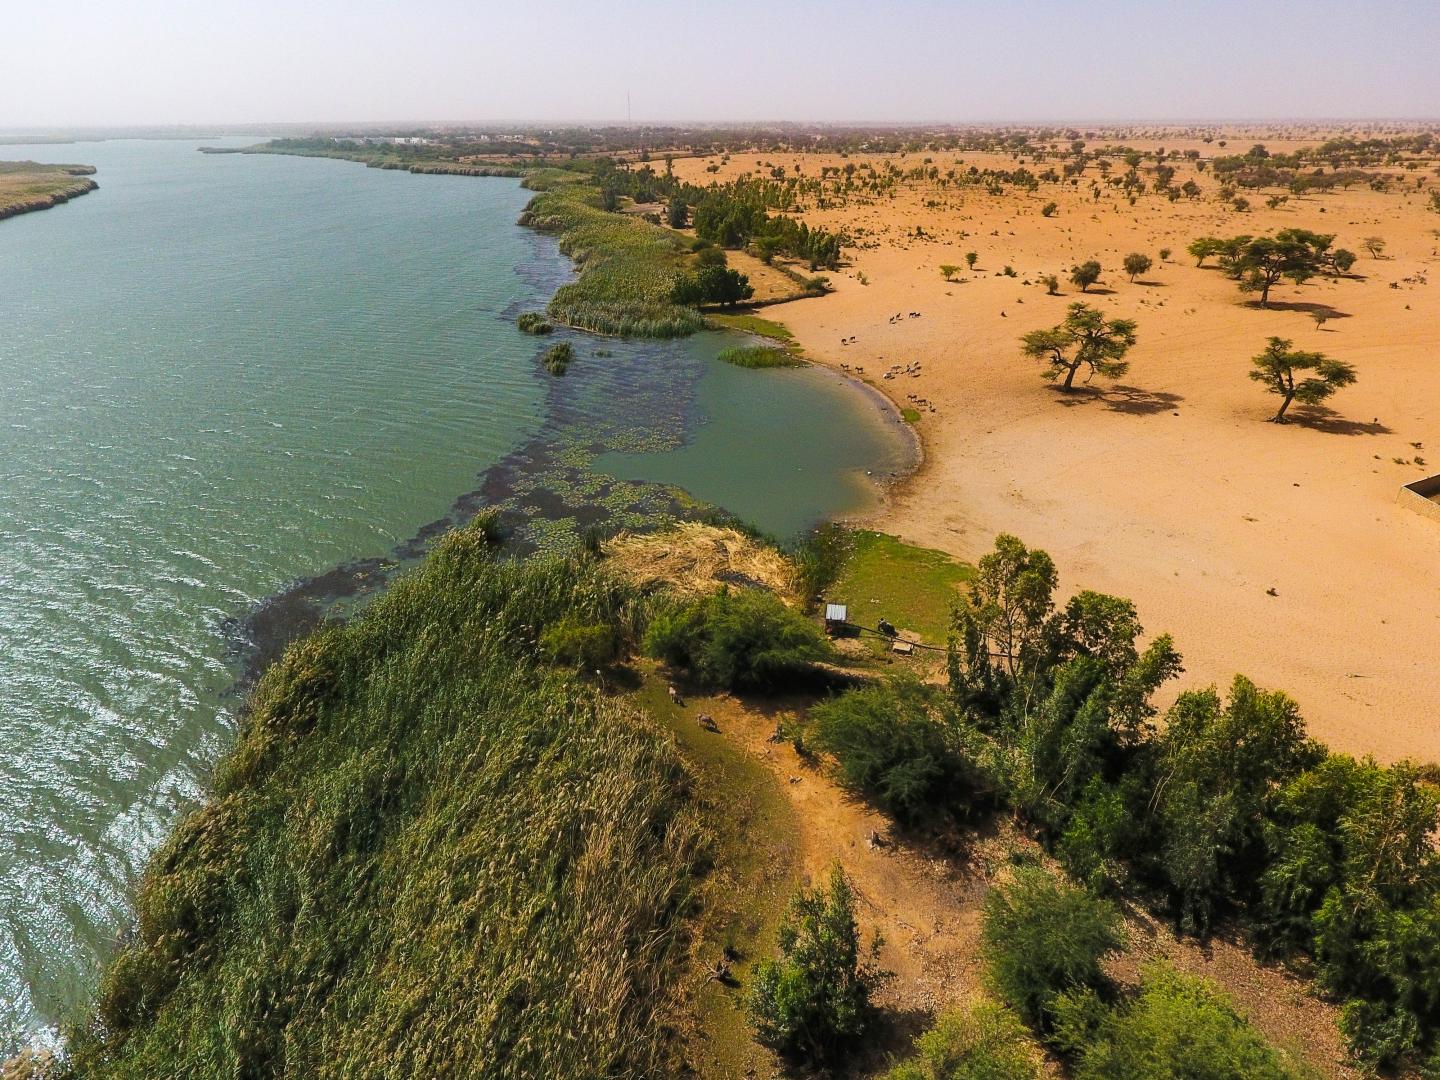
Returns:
<point x="428" y="855"/>
<point x="759" y="356"/>
<point x="628" y="267"/>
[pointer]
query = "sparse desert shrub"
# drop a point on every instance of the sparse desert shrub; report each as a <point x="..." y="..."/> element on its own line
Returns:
<point x="1051" y="283"/>
<point x="1085" y="274"/>
<point x="1136" y="264"/>
<point x="1164" y="255"/>
<point x="1048" y="210"/>
<point x="813" y="1002"/>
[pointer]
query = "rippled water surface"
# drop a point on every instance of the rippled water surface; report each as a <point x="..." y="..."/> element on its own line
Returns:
<point x="223" y="374"/>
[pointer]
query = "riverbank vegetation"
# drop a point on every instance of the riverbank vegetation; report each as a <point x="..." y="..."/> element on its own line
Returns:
<point x="429" y="852"/>
<point x="628" y="267"/>
<point x="450" y="769"/>
<point x="26" y="186"/>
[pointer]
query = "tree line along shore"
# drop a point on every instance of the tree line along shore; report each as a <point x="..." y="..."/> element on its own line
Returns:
<point x="493" y="827"/>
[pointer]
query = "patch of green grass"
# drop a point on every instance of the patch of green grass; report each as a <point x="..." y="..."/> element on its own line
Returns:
<point x="913" y="587"/>
<point x="910" y="416"/>
<point x="754" y="324"/>
<point x="428" y="854"/>
<point x="755" y="868"/>
<point x="759" y="356"/>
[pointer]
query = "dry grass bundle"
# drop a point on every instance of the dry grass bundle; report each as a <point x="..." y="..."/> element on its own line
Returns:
<point x="694" y="559"/>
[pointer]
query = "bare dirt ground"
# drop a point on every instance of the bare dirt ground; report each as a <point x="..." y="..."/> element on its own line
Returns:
<point x="924" y="896"/>
<point x="1280" y="552"/>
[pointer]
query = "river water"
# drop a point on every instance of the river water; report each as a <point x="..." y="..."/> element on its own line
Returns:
<point x="221" y="378"/>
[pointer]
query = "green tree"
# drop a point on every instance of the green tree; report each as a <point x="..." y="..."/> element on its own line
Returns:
<point x="971" y="257"/>
<point x="814" y="1000"/>
<point x="1203" y="248"/>
<point x="677" y="213"/>
<point x="1296" y="254"/>
<point x="948" y="271"/>
<point x="1279" y="370"/>
<point x="1216" y="767"/>
<point x="1084" y="339"/>
<point x="1136" y="264"/>
<point x="1085" y="275"/>
<point x="1375" y="245"/>
<point x="1043" y="937"/>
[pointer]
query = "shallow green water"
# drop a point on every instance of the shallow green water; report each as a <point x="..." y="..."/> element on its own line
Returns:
<point x="220" y="375"/>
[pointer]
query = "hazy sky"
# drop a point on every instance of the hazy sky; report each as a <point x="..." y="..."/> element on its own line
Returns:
<point x="86" y="62"/>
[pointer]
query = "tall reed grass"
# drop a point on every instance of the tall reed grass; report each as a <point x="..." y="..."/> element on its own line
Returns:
<point x="428" y="855"/>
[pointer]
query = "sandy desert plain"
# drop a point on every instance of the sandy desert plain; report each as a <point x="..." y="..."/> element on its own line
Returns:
<point x="1279" y="551"/>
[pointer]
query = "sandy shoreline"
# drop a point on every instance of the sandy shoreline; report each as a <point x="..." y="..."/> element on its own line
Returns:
<point x="1280" y="552"/>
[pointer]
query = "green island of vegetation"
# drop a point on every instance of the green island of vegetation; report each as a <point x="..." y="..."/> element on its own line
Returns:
<point x="27" y="185"/>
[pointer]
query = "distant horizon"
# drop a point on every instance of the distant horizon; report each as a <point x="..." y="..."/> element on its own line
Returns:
<point x="97" y="64"/>
<point x="254" y="126"/>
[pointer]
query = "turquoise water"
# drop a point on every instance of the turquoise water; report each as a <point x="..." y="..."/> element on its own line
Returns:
<point x="222" y="375"/>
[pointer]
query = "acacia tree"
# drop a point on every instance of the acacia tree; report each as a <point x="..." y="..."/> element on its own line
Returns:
<point x="1296" y="254"/>
<point x="1375" y="245"/>
<point x="1085" y="275"/>
<point x="1085" y="338"/>
<point x="1277" y="367"/>
<point x="948" y="271"/>
<point x="1136" y="264"/>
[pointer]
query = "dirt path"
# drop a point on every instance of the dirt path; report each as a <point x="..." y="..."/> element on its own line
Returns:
<point x="924" y="897"/>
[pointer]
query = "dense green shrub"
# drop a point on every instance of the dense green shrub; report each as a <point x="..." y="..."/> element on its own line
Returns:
<point x="428" y="854"/>
<point x="1044" y="937"/>
<point x="711" y="285"/>
<point x="586" y="646"/>
<point x="742" y="639"/>
<point x="813" y="1002"/>
<point x="978" y="1041"/>
<point x="890" y="743"/>
<point x="532" y="322"/>
<point x="1178" y="1028"/>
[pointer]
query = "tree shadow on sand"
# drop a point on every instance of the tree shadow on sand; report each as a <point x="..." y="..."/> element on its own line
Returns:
<point x="1131" y="400"/>
<point x="1304" y="307"/>
<point x="1321" y="418"/>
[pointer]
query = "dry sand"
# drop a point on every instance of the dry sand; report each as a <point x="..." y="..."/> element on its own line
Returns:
<point x="1167" y="486"/>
